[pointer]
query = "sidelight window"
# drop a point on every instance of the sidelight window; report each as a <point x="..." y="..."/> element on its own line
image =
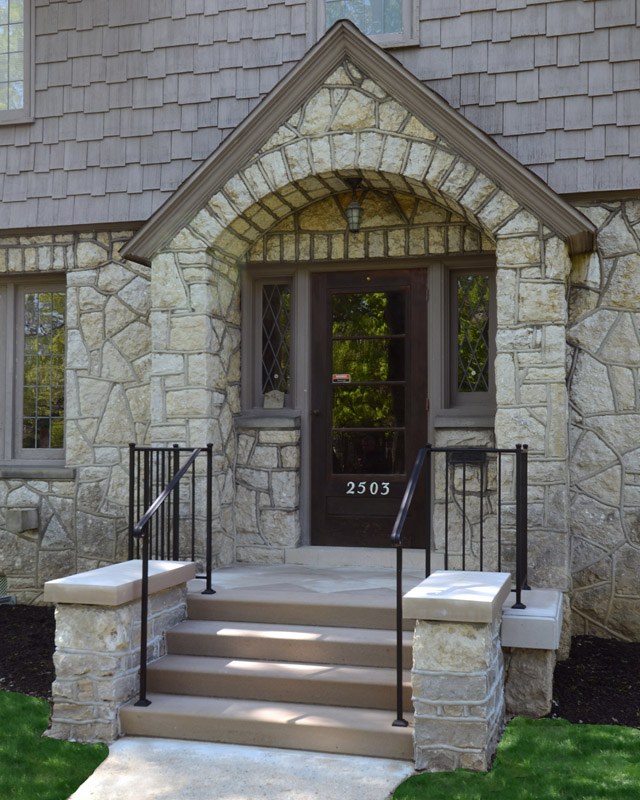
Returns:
<point x="471" y="337"/>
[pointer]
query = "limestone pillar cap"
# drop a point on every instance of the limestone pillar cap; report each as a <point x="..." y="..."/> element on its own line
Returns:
<point x="117" y="584"/>
<point x="457" y="596"/>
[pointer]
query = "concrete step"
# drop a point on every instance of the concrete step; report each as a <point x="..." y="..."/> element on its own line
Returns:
<point x="299" y="726"/>
<point x="326" y="684"/>
<point x="365" y="647"/>
<point x="362" y="609"/>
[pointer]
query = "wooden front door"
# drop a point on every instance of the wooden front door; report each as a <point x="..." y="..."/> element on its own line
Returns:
<point x="369" y="401"/>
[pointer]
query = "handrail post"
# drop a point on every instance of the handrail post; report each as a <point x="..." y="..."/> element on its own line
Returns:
<point x="400" y="721"/>
<point x="209" y="521"/>
<point x="144" y="613"/>
<point x="132" y="478"/>
<point x="175" y="542"/>
<point x="428" y="512"/>
<point x="521" y="523"/>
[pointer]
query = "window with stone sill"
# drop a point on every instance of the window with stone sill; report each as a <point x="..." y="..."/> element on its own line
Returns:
<point x="387" y="22"/>
<point x="32" y="368"/>
<point x="15" y="61"/>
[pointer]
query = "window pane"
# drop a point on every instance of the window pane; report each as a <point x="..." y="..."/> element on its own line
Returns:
<point x="276" y="337"/>
<point x="373" y="17"/>
<point x="43" y="378"/>
<point x="369" y="359"/>
<point x="473" y="333"/>
<point x="373" y="453"/>
<point x="368" y="313"/>
<point x="368" y="406"/>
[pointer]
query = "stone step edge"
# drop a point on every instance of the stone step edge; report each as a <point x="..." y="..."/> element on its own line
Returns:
<point x="298" y="726"/>
<point x="328" y="645"/>
<point x="299" y="608"/>
<point x="315" y="684"/>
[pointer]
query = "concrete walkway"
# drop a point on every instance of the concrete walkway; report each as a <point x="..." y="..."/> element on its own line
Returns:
<point x="167" y="769"/>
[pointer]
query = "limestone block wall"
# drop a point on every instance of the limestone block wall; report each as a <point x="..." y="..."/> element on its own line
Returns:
<point x="195" y="367"/>
<point x="82" y="506"/>
<point x="604" y="379"/>
<point x="267" y="502"/>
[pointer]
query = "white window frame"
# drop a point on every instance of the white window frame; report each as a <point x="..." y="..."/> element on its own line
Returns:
<point x="25" y="114"/>
<point x="406" y="38"/>
<point x="12" y="371"/>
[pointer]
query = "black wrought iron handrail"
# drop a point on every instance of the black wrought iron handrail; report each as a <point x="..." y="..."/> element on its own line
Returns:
<point x="464" y="456"/>
<point x="139" y="529"/>
<point x="169" y="495"/>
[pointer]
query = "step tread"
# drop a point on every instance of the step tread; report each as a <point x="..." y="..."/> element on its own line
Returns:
<point x="263" y="630"/>
<point x="365" y="608"/>
<point x="333" y="729"/>
<point x="278" y="642"/>
<point x="257" y="711"/>
<point x="278" y="669"/>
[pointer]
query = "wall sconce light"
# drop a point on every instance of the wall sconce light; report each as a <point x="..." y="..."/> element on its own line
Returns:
<point x="354" y="209"/>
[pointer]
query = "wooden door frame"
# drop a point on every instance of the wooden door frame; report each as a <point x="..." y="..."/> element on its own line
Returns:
<point x="414" y="283"/>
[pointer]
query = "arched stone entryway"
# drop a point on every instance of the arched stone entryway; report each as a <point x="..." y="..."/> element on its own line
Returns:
<point x="353" y="124"/>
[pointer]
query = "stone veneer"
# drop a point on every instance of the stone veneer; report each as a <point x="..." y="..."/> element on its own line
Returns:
<point x="604" y="380"/>
<point x="154" y="356"/>
<point x="82" y="508"/>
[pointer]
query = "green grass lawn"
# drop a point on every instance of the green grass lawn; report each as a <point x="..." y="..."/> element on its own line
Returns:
<point x="544" y="759"/>
<point x="33" y="767"/>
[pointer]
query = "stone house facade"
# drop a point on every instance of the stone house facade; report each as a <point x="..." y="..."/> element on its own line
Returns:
<point x="180" y="176"/>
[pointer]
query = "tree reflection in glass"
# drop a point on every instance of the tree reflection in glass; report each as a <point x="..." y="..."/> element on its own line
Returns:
<point x="368" y="345"/>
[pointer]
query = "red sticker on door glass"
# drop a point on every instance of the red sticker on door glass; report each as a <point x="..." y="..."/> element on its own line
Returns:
<point x="341" y="377"/>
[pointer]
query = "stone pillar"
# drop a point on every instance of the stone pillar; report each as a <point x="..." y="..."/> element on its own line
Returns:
<point x="97" y="657"/>
<point x="458" y="672"/>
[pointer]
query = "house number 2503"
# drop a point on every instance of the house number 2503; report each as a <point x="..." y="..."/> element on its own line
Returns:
<point x="368" y="487"/>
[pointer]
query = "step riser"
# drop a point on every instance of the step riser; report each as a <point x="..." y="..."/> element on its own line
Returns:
<point x="274" y="612"/>
<point x="360" y="695"/>
<point x="387" y="742"/>
<point x="316" y="652"/>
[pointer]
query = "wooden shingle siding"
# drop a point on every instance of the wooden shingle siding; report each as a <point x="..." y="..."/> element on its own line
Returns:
<point x="150" y="87"/>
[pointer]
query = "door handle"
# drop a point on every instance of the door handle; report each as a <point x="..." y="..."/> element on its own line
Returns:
<point x="316" y="412"/>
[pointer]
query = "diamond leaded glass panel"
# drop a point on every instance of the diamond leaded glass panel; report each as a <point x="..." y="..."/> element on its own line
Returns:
<point x="473" y="332"/>
<point x="276" y="337"/>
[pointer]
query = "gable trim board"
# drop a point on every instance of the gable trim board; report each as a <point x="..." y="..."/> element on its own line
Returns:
<point x="344" y="41"/>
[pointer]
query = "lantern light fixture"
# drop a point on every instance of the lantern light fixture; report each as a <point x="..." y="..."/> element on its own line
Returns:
<point x="354" y="209"/>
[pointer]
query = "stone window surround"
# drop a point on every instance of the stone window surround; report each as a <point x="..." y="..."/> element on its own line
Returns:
<point x="10" y="370"/>
<point x="445" y="403"/>
<point x="25" y="114"/>
<point x="407" y="38"/>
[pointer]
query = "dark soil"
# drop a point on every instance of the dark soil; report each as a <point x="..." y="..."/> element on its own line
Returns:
<point x="599" y="683"/>
<point x="26" y="649"/>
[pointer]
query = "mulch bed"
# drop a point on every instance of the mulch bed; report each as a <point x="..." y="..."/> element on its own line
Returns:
<point x="598" y="683"/>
